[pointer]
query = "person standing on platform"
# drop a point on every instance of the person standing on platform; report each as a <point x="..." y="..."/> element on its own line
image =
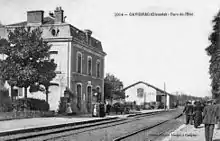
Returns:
<point x="69" y="109"/>
<point x="218" y="114"/>
<point x="209" y="119"/>
<point x="188" y="110"/>
<point x="197" y="114"/>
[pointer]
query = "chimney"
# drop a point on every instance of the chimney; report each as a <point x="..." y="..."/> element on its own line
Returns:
<point x="35" y="17"/>
<point x="88" y="35"/>
<point x="58" y="15"/>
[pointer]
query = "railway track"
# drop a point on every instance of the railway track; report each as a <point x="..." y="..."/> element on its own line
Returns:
<point x="134" y="133"/>
<point x="46" y="133"/>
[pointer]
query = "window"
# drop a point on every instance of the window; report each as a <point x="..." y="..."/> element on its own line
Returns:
<point x="79" y="95"/>
<point x="55" y="57"/>
<point x="20" y="91"/>
<point x="98" y="68"/>
<point x="79" y="62"/>
<point x="14" y="92"/>
<point x="98" y="89"/>
<point x="89" y="65"/>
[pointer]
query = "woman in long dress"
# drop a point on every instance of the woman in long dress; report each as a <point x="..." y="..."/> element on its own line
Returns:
<point x="197" y="114"/>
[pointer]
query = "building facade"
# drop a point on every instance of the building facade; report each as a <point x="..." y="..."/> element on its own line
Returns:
<point x="142" y="92"/>
<point x="149" y="94"/>
<point x="79" y="57"/>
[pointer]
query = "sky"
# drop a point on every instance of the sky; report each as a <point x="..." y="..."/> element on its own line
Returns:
<point x="153" y="49"/>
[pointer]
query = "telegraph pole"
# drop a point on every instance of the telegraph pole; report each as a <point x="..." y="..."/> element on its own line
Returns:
<point x="144" y="99"/>
<point x="165" y="97"/>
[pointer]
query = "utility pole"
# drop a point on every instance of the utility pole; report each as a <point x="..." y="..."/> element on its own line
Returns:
<point x="165" y="96"/>
<point x="144" y="99"/>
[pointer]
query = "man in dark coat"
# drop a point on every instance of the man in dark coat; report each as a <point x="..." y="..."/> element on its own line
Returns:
<point x="218" y="113"/>
<point x="197" y="114"/>
<point x="108" y="108"/>
<point x="209" y="119"/>
<point x="188" y="110"/>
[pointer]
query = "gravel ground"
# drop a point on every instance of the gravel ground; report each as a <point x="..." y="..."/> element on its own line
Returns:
<point x="109" y="133"/>
<point x="158" y="133"/>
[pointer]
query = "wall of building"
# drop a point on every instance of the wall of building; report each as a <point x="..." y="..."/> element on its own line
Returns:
<point x="60" y="30"/>
<point x="60" y="45"/>
<point x="61" y="78"/>
<point x="132" y="94"/>
<point x="3" y="32"/>
<point x="83" y="78"/>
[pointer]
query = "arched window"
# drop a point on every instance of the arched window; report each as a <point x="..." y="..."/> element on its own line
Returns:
<point x="89" y="65"/>
<point x="79" y="62"/>
<point x="98" y="68"/>
<point x="79" y="95"/>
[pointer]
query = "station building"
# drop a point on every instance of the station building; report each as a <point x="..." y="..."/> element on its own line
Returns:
<point x="79" y="57"/>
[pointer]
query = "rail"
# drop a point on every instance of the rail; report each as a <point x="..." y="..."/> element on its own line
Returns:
<point x="144" y="129"/>
<point x="99" y="125"/>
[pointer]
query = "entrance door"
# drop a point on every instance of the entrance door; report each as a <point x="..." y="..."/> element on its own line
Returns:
<point x="89" y="98"/>
<point x="79" y="95"/>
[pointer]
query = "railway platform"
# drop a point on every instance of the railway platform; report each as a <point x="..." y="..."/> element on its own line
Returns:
<point x="189" y="133"/>
<point x="17" y="125"/>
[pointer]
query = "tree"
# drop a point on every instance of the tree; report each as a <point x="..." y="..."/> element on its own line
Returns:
<point x="46" y="73"/>
<point x="213" y="50"/>
<point x="2" y="83"/>
<point x="27" y="61"/>
<point x="183" y="98"/>
<point x="112" y="85"/>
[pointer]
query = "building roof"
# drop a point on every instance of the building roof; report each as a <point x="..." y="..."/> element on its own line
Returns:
<point x="80" y="35"/>
<point x="159" y="91"/>
<point x="46" y="20"/>
<point x="75" y="32"/>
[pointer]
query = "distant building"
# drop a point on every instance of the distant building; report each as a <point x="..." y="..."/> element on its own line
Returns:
<point x="141" y="93"/>
<point x="140" y="99"/>
<point x="79" y="57"/>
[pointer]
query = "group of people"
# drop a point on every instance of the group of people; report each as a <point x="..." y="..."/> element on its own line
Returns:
<point x="207" y="113"/>
<point x="193" y="113"/>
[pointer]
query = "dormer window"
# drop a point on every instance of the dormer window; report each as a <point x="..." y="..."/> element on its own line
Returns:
<point x="54" y="32"/>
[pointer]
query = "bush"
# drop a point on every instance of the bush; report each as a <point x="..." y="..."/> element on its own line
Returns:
<point x="31" y="104"/>
<point x="137" y="108"/>
<point x="118" y="107"/>
<point x="160" y="105"/>
<point x="5" y="101"/>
